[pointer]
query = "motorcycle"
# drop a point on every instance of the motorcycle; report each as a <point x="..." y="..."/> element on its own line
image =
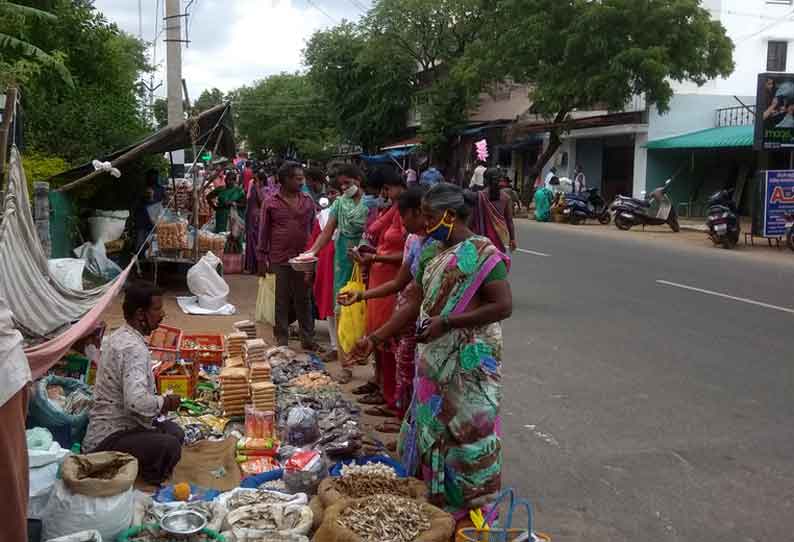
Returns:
<point x="631" y="212"/>
<point x="588" y="204"/>
<point x="790" y="230"/>
<point x="722" y="219"/>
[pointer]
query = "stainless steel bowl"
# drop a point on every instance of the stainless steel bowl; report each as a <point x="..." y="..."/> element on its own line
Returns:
<point x="183" y="522"/>
<point x="304" y="266"/>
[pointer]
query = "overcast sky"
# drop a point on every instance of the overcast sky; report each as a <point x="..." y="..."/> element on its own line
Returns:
<point x="235" y="42"/>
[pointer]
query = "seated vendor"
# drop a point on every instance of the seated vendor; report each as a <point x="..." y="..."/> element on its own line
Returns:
<point x="126" y="411"/>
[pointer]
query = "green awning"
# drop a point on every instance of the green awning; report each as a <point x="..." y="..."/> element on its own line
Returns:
<point x="728" y="137"/>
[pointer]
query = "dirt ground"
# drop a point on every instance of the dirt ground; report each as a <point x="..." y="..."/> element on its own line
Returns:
<point x="243" y="291"/>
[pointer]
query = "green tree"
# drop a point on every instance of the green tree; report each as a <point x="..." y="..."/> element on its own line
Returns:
<point x="285" y="115"/>
<point x="160" y="112"/>
<point x="369" y="90"/>
<point x="579" y="54"/>
<point x="208" y="99"/>
<point x="20" y="57"/>
<point x="434" y="34"/>
<point x="103" y="111"/>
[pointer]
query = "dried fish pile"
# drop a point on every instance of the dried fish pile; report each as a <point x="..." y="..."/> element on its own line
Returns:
<point x="247" y="498"/>
<point x="369" y="484"/>
<point x="385" y="518"/>
<point x="379" y="469"/>
<point x="258" y="517"/>
<point x="313" y="381"/>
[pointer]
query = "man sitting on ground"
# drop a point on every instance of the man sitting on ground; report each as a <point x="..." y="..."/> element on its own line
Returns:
<point x="126" y="412"/>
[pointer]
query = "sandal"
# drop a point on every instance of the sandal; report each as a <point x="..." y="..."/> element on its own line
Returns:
<point x="345" y="376"/>
<point x="372" y="399"/>
<point x="389" y="427"/>
<point x="365" y="389"/>
<point x="314" y="347"/>
<point x="380" y="411"/>
<point x="330" y="357"/>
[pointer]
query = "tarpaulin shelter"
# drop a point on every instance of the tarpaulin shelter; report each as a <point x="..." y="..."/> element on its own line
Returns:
<point x="213" y="129"/>
<point x="42" y="306"/>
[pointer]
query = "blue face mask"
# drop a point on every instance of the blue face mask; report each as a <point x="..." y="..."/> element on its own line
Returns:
<point x="443" y="230"/>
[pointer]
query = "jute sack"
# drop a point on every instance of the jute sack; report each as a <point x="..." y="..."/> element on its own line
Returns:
<point x="408" y="487"/>
<point x="318" y="510"/>
<point x="102" y="474"/>
<point x="442" y="525"/>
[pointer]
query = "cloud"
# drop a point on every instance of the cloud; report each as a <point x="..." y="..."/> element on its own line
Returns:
<point x="236" y="42"/>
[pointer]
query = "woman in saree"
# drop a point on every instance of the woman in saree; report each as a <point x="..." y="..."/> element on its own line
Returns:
<point x="257" y="193"/>
<point x="460" y="295"/>
<point x="493" y="213"/>
<point x="410" y="208"/>
<point x="347" y="220"/>
<point x="224" y="198"/>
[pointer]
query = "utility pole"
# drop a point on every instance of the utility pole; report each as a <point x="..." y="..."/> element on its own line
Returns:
<point x="5" y="131"/>
<point x="173" y="39"/>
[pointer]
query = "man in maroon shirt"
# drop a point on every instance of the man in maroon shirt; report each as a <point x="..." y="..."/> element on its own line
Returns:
<point x="284" y="228"/>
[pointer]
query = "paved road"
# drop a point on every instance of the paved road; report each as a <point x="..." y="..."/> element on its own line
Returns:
<point x="642" y="411"/>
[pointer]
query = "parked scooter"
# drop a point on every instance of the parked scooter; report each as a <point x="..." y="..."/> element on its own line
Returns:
<point x="631" y="212"/>
<point x="722" y="219"/>
<point x="588" y="204"/>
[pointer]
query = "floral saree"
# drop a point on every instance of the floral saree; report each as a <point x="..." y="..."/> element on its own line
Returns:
<point x="454" y="426"/>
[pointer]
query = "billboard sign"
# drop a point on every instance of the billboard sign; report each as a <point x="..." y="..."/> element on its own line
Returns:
<point x="774" y="119"/>
<point x="778" y="201"/>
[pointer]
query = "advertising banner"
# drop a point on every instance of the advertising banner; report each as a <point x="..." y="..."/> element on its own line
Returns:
<point x="779" y="201"/>
<point x="774" y="119"/>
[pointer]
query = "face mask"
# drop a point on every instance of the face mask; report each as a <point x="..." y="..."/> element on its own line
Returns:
<point x="351" y="192"/>
<point x="443" y="230"/>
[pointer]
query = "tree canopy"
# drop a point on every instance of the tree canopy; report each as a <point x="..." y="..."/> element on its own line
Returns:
<point x="285" y="115"/>
<point x="579" y="54"/>
<point x="368" y="91"/>
<point x="208" y="99"/>
<point x="102" y="111"/>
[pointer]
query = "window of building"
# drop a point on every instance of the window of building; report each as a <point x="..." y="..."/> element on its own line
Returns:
<point x="776" y="56"/>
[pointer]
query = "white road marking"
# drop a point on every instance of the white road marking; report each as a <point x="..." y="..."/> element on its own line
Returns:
<point x="726" y="296"/>
<point x="533" y="253"/>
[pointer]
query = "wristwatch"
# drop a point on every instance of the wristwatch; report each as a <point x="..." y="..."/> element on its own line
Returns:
<point x="445" y="323"/>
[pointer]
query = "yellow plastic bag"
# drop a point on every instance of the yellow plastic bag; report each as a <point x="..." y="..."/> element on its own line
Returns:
<point x="352" y="319"/>
<point x="266" y="300"/>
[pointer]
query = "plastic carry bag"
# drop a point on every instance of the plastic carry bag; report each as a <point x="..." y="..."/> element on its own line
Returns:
<point x="97" y="262"/>
<point x="43" y="412"/>
<point x="68" y="513"/>
<point x="83" y="536"/>
<point x="353" y="319"/>
<point x="236" y="224"/>
<point x="68" y="272"/>
<point x="266" y="300"/>
<point x="205" y="283"/>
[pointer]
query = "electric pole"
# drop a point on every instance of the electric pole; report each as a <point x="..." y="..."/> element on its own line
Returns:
<point x="173" y="39"/>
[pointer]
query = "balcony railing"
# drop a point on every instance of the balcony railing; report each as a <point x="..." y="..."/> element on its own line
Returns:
<point x="735" y="116"/>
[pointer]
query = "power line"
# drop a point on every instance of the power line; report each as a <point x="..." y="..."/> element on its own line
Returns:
<point x="781" y="20"/>
<point x="321" y="10"/>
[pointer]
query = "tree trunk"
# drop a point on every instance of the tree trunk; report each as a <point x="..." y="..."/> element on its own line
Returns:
<point x="555" y="141"/>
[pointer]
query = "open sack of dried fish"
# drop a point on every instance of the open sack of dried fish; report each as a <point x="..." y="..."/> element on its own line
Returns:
<point x="357" y="486"/>
<point x="241" y="496"/>
<point x="261" y="520"/>
<point x="385" y="518"/>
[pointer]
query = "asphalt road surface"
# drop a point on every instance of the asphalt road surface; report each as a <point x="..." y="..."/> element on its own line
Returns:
<point x="649" y="388"/>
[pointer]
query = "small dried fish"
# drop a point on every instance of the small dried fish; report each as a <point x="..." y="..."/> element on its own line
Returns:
<point x="368" y="484"/>
<point x="385" y="518"/>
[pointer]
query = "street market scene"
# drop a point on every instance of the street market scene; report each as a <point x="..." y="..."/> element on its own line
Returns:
<point x="396" y="270"/>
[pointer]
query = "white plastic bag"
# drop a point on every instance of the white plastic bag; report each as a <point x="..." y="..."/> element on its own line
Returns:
<point x="205" y="283"/>
<point x="42" y="481"/>
<point x="41" y="458"/>
<point x="84" y="536"/>
<point x="97" y="262"/>
<point x="68" y="272"/>
<point x="68" y="513"/>
<point x="105" y="229"/>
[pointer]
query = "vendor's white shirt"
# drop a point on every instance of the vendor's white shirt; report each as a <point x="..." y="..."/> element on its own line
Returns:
<point x="478" y="179"/>
<point x="14" y="367"/>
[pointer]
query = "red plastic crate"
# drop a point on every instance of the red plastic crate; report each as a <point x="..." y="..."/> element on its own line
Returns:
<point x="164" y="343"/>
<point x="200" y="355"/>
